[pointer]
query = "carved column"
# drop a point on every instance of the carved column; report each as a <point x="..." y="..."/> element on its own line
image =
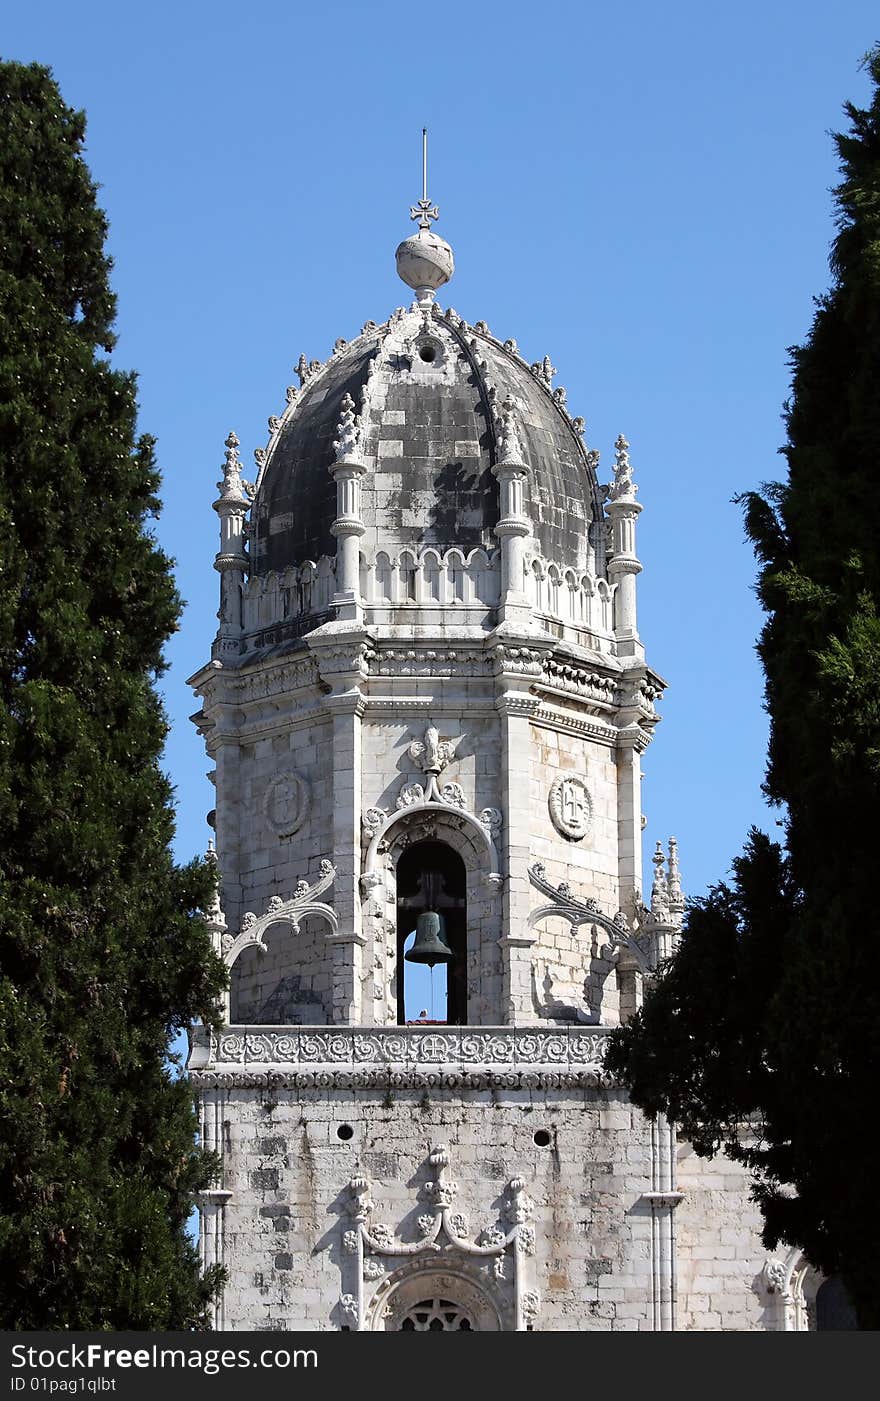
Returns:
<point x="513" y="527"/>
<point x="217" y="928"/>
<point x="348" y="527"/>
<point x="664" y="1198"/>
<point x="212" y="1202"/>
<point x="232" y="506"/>
<point x="342" y="665"/>
<point x="224" y="746"/>
<point x="624" y="565"/>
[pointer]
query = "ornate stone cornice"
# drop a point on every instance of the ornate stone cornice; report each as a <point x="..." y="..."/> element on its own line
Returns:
<point x="239" y="686"/>
<point x="400" y="1057"/>
<point x="586" y="727"/>
<point x="430" y="661"/>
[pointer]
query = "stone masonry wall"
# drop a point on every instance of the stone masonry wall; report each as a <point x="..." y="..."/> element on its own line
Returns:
<point x="288" y="1171"/>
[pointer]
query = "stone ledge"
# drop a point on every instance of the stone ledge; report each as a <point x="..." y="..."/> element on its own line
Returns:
<point x="411" y="1078"/>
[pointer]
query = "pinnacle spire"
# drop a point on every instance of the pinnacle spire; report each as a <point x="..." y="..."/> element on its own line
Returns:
<point x="424" y="261"/>
<point x="424" y="210"/>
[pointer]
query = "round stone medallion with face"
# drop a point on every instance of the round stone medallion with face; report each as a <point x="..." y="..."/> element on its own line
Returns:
<point x="571" y="807"/>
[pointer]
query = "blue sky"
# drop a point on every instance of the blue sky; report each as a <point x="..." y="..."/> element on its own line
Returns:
<point x="641" y="191"/>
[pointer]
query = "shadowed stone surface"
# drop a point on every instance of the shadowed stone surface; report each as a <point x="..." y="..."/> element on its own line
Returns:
<point x="430" y="446"/>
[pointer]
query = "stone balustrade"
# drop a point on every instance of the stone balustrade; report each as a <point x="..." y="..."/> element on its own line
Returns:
<point x="400" y="1056"/>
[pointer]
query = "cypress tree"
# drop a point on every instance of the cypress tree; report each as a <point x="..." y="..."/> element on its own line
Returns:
<point x="103" y="951"/>
<point x="769" y="1014"/>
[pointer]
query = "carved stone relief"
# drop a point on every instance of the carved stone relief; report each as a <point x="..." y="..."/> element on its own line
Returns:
<point x="444" y="1275"/>
<point x="571" y="807"/>
<point x="287" y="802"/>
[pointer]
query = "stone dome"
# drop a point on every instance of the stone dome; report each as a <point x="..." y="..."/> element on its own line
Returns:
<point x="427" y="389"/>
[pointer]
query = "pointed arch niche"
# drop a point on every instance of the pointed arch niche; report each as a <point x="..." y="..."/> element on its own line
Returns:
<point x="460" y="849"/>
<point x="803" y="1300"/>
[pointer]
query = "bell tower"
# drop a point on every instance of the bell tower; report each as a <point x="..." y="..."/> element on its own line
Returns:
<point x="426" y="706"/>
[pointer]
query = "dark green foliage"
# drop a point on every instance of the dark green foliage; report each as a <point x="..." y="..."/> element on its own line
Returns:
<point x="771" y="1009"/>
<point x="103" y="955"/>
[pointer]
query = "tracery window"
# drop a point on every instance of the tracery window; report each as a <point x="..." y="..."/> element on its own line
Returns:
<point x="436" y="1316"/>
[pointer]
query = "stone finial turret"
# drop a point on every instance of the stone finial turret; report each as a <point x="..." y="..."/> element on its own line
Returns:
<point x="232" y="506"/>
<point x="676" y="897"/>
<point x="347" y="444"/>
<point x="509" y="445"/>
<point x="347" y="470"/>
<point x="660" y="887"/>
<point x="622" y="488"/>
<point x="233" y="487"/>
<point x="214" y="916"/>
<point x="512" y="529"/>
<point x="624" y="565"/>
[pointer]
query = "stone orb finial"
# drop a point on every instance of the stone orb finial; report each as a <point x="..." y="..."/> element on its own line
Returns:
<point x="425" y="263"/>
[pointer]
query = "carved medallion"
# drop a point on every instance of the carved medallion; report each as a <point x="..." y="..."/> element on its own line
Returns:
<point x="571" y="807"/>
<point x="286" y="803"/>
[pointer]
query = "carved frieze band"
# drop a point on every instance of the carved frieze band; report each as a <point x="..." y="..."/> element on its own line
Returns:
<point x="400" y="1057"/>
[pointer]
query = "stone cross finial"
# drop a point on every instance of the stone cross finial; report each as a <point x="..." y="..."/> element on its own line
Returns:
<point x="424" y="210"/>
<point x="622" y="488"/>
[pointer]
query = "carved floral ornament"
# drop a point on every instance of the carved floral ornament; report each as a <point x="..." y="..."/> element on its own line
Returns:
<point x="400" y="1058"/>
<point x="431" y="799"/>
<point x="565" y="904"/>
<point x="303" y="903"/>
<point x="486" y="1277"/>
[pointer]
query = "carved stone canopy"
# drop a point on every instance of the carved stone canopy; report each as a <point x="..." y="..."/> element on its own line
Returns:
<point x="444" y="1245"/>
<point x="302" y="903"/>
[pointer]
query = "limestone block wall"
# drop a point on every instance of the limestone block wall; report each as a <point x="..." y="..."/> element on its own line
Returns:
<point x="270" y="859"/>
<point x="290" y="984"/>
<point x="589" y="865"/>
<point x="577" y="967"/>
<point x="720" y="1281"/>
<point x="594" y="1266"/>
<point x="387" y="765"/>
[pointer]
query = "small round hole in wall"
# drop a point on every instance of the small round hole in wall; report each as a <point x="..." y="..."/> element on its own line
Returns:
<point x="345" y="1132"/>
<point x="542" y="1138"/>
<point x="428" y="353"/>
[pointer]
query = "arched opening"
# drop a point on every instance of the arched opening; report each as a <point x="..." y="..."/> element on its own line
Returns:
<point x="431" y="876"/>
<point x="834" y="1307"/>
<point x="419" y="1299"/>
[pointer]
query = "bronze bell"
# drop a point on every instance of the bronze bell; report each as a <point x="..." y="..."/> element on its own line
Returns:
<point x="430" y="945"/>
